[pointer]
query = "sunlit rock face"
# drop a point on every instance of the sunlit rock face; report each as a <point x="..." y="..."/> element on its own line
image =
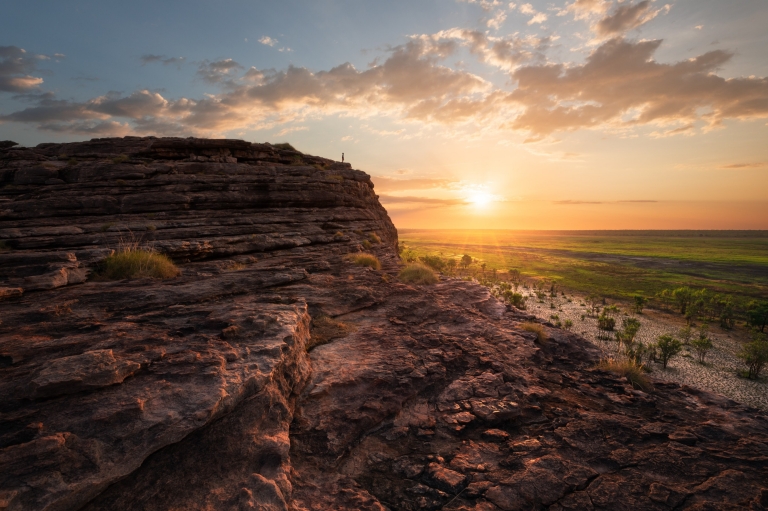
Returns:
<point x="197" y="392"/>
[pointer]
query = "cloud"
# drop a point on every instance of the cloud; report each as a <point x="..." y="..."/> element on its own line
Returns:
<point x="618" y="86"/>
<point x="393" y="199"/>
<point x="626" y="17"/>
<point x="486" y="5"/>
<point x="161" y="59"/>
<point x="387" y="184"/>
<point x="582" y="9"/>
<point x="497" y="20"/>
<point x="268" y="41"/>
<point x="751" y="165"/>
<point x="15" y="68"/>
<point x="537" y="17"/>
<point x="620" y="79"/>
<point x="218" y="71"/>
<point x="579" y="202"/>
<point x="293" y="129"/>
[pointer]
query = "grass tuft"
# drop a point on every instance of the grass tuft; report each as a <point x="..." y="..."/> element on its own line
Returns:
<point x="325" y="329"/>
<point x="629" y="369"/>
<point x="285" y="146"/>
<point x="541" y="333"/>
<point x="132" y="262"/>
<point x="363" y="259"/>
<point x="417" y="273"/>
<point x="374" y="238"/>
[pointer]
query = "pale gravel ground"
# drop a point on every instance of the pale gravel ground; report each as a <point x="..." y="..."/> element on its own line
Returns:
<point x="719" y="374"/>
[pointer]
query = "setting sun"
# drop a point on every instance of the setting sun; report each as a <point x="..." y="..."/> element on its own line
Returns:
<point x="480" y="198"/>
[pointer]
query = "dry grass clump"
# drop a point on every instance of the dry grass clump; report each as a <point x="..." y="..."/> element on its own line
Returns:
<point x="630" y="369"/>
<point x="325" y="329"/>
<point x="133" y="262"/>
<point x="374" y="238"/>
<point x="369" y="260"/>
<point x="417" y="273"/>
<point x="541" y="333"/>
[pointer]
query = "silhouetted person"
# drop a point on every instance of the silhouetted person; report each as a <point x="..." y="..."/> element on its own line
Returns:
<point x="342" y="157"/>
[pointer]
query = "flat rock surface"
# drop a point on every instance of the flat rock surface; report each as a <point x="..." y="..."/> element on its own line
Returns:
<point x="198" y="392"/>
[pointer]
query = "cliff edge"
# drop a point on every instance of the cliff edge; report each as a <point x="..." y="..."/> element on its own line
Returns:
<point x="199" y="392"/>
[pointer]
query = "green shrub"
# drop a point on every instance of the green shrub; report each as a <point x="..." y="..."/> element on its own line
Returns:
<point x="702" y="345"/>
<point x="568" y="324"/>
<point x="417" y="273"/>
<point x="515" y="299"/>
<point x="134" y="262"/>
<point x="667" y="347"/>
<point x="755" y="355"/>
<point x="364" y="259"/>
<point x="437" y="263"/>
<point x="541" y="334"/>
<point x="629" y="369"/>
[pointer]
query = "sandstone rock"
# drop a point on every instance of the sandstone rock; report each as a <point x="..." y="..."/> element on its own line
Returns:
<point x="89" y="371"/>
<point x="199" y="393"/>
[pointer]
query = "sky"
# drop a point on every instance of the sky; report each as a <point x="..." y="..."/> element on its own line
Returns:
<point x="568" y="114"/>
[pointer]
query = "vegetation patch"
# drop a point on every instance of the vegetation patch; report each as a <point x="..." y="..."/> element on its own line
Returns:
<point x="324" y="329"/>
<point x="541" y="333"/>
<point x="364" y="259"/>
<point x="374" y="238"/>
<point x="631" y="370"/>
<point x="133" y="262"/>
<point x="417" y="273"/>
<point x="285" y="146"/>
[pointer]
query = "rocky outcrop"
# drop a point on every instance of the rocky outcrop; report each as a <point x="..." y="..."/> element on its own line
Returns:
<point x="198" y="392"/>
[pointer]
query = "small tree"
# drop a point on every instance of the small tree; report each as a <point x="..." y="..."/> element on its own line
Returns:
<point x="640" y="302"/>
<point x="466" y="260"/>
<point x="702" y="345"/>
<point x="668" y="347"/>
<point x="483" y="267"/>
<point x="757" y="315"/>
<point x="683" y="297"/>
<point x="451" y="263"/>
<point x="630" y="327"/>
<point x="755" y="355"/>
<point x="685" y="334"/>
<point x="593" y="301"/>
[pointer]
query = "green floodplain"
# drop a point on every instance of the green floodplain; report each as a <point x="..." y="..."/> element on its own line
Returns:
<point x="614" y="264"/>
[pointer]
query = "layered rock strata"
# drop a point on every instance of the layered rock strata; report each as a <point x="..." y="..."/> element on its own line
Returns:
<point x="199" y="393"/>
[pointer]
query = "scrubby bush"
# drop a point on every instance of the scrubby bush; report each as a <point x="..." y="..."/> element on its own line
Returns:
<point x="702" y="345"/>
<point x="365" y="259"/>
<point x="437" y="263"/>
<point x="755" y="355"/>
<point x="120" y="159"/>
<point x="374" y="238"/>
<point x="668" y="347"/>
<point x="515" y="299"/>
<point x="417" y="273"/>
<point x="541" y="333"/>
<point x="639" y="303"/>
<point x="367" y="244"/>
<point x="568" y="324"/>
<point x="629" y="369"/>
<point x="133" y="262"/>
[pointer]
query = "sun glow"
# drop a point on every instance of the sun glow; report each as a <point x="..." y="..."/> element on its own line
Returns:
<point x="480" y="198"/>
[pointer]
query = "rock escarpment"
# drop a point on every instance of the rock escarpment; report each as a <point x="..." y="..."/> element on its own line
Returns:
<point x="198" y="392"/>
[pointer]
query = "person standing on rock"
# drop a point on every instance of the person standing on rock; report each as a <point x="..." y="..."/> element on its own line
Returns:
<point x="342" y="157"/>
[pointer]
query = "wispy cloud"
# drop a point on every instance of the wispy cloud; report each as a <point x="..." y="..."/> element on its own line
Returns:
<point x="161" y="59"/>
<point x="750" y="165"/>
<point x="388" y="184"/>
<point x="15" y="68"/>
